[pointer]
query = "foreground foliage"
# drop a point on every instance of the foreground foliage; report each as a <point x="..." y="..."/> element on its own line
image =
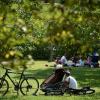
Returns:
<point x="40" y="27"/>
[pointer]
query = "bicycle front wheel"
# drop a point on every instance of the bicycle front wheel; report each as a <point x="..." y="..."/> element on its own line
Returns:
<point x="29" y="86"/>
<point x="4" y="86"/>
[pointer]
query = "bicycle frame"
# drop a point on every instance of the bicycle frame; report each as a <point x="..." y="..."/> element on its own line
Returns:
<point x="20" y="83"/>
<point x="7" y="75"/>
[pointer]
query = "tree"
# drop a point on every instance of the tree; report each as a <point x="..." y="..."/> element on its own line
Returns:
<point x="66" y="25"/>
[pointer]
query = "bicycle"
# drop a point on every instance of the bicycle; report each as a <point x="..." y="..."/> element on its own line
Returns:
<point x="82" y="91"/>
<point x="59" y="89"/>
<point x="27" y="84"/>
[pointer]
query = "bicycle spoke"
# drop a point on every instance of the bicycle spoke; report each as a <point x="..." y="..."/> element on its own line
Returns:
<point x="3" y="87"/>
<point x="29" y="86"/>
<point x="90" y="91"/>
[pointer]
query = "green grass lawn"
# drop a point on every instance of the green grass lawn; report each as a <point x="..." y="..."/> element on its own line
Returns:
<point x="84" y="76"/>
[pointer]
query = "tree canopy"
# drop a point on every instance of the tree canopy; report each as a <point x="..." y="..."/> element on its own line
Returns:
<point x="38" y="27"/>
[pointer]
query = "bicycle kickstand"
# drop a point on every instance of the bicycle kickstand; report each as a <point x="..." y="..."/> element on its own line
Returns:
<point x="18" y="93"/>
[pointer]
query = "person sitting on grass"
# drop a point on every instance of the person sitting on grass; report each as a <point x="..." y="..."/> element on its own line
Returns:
<point x="88" y="60"/>
<point x="80" y="63"/>
<point x="57" y="61"/>
<point x="64" y="60"/>
<point x="69" y="81"/>
<point x="95" y="59"/>
<point x="54" y="78"/>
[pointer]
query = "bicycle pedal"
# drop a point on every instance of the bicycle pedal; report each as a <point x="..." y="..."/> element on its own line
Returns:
<point x="34" y="94"/>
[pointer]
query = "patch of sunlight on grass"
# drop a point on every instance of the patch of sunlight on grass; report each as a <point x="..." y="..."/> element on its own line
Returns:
<point x="41" y="65"/>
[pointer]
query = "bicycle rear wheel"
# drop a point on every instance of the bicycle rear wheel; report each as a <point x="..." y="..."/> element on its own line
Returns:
<point x="84" y="92"/>
<point x="29" y="86"/>
<point x="4" y="86"/>
<point x="89" y="91"/>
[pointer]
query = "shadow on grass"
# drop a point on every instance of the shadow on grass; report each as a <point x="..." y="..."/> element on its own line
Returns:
<point x="87" y="76"/>
<point x="84" y="76"/>
<point x="39" y="74"/>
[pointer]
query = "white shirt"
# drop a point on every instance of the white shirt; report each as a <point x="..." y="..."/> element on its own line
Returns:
<point x="72" y="82"/>
<point x="63" y="60"/>
<point x="70" y="63"/>
<point x="96" y="54"/>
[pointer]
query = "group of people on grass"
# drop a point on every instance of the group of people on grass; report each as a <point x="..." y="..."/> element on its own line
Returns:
<point x="77" y="61"/>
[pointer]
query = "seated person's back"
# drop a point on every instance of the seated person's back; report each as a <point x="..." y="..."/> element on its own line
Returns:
<point x="72" y="82"/>
<point x="57" y="76"/>
<point x="63" y="60"/>
<point x="69" y="81"/>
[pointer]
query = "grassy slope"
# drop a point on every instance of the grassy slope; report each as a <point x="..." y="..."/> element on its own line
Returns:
<point x="85" y="76"/>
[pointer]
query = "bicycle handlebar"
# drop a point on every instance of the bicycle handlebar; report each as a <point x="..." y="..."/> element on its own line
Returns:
<point x="9" y="70"/>
<point x="4" y="67"/>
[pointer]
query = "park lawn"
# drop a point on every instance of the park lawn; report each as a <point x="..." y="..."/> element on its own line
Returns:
<point x="84" y="76"/>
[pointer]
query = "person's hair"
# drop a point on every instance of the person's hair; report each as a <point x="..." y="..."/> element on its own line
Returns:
<point x="67" y="73"/>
